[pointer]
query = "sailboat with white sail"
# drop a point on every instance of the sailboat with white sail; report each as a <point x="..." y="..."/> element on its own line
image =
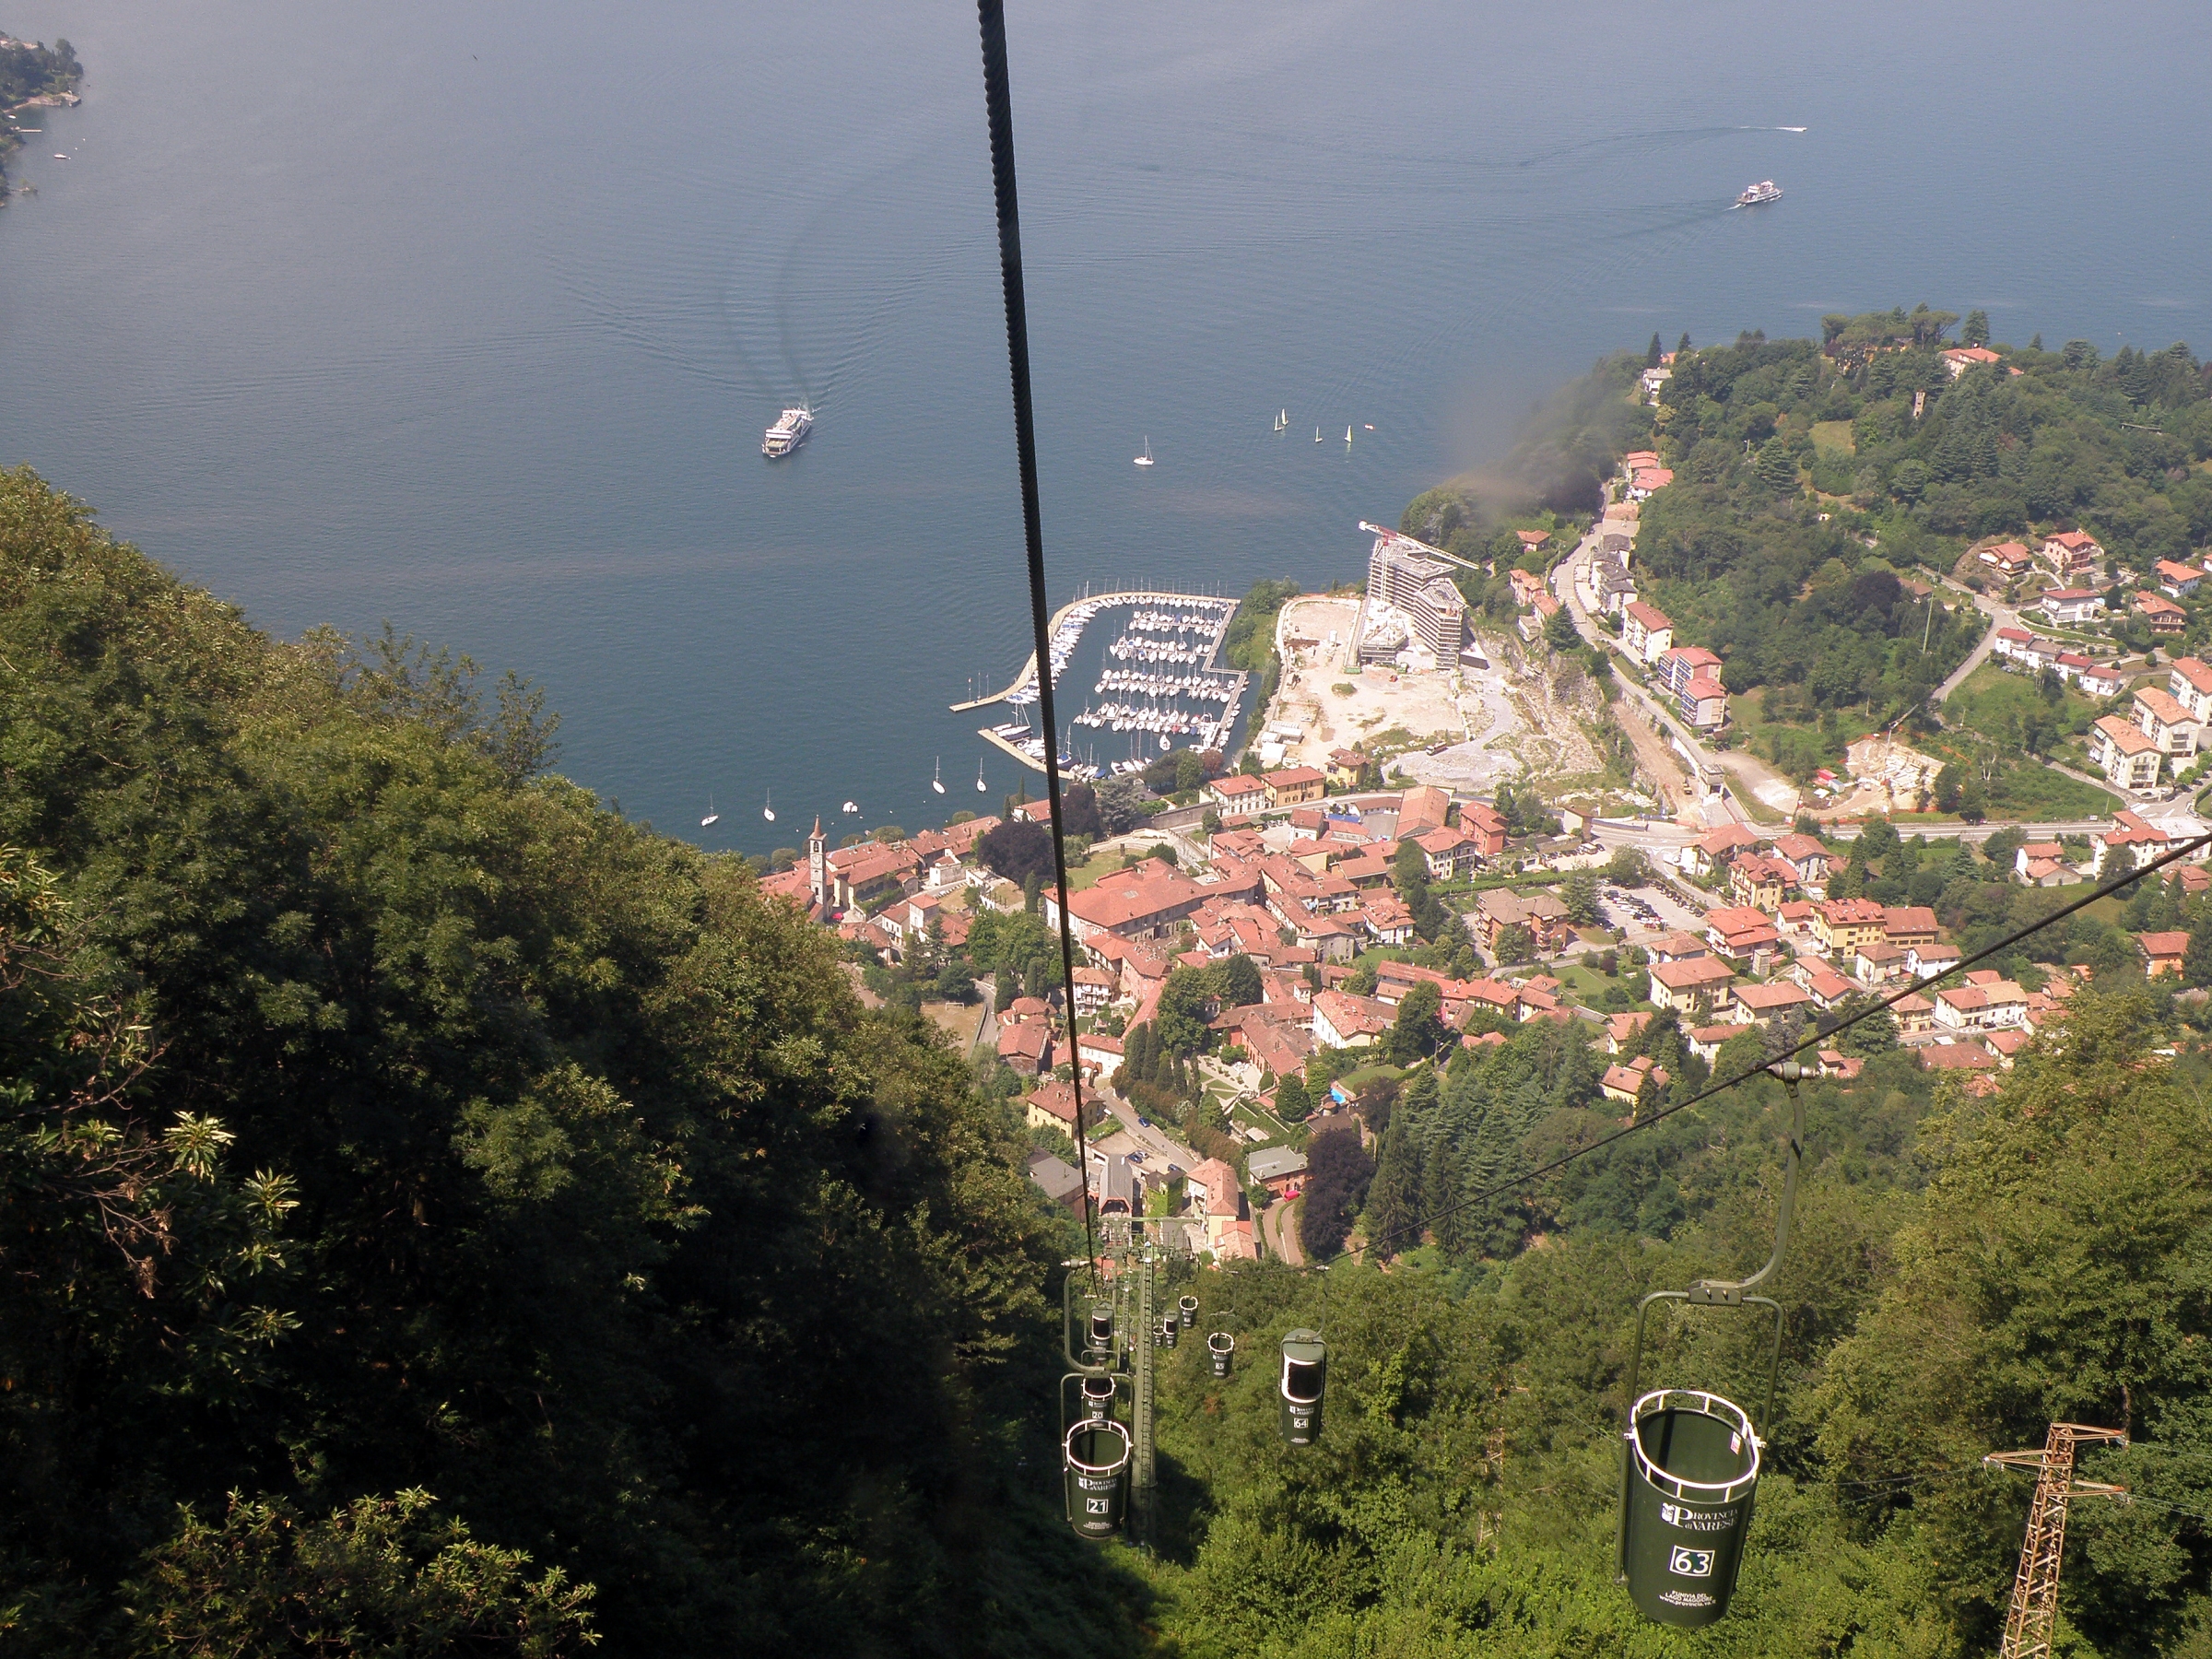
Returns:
<point x="1145" y="459"/>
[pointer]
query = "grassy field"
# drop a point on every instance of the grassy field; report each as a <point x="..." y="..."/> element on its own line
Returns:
<point x="1998" y="704"/>
<point x="2000" y="707"/>
<point x="1835" y="435"/>
<point x="1776" y="741"/>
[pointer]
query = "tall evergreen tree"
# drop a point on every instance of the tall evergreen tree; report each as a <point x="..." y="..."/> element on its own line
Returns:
<point x="1442" y="1184"/>
<point x="1653" y="352"/>
<point x="1394" y="1202"/>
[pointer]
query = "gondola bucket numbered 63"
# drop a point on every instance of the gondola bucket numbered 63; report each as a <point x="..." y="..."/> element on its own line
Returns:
<point x="1689" y="1458"/>
<point x="1694" y="1466"/>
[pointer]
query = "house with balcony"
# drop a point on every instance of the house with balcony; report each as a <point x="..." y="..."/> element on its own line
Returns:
<point x="2189" y="680"/>
<point x="1807" y="856"/>
<point x="2070" y="608"/>
<point x="2162" y="953"/>
<point x="2167" y="722"/>
<point x="1646" y="631"/>
<point x="1761" y="881"/>
<point x="1717" y="847"/>
<point x="2070" y="553"/>
<point x="2163" y="615"/>
<point x="2128" y="758"/>
<point x="1697" y="985"/>
<point x="2132" y="833"/>
<point x="1841" y="925"/>
<point x="1738" y="930"/>
<point x="2177" y="581"/>
<point x="1991" y="1003"/>
<point x="1237" y="797"/>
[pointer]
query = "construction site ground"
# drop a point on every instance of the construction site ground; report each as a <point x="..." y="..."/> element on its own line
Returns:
<point x="1497" y="722"/>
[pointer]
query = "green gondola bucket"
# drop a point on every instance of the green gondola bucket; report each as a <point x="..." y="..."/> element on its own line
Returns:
<point x="1095" y="1461"/>
<point x="1170" y="1328"/>
<point x="1220" y="1345"/>
<point x="1690" y="1467"/>
<point x="1303" y="1381"/>
<point x="1188" y="1309"/>
<point x="1098" y="1397"/>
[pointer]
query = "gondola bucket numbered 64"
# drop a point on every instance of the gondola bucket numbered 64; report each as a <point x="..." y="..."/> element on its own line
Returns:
<point x="1302" y="1384"/>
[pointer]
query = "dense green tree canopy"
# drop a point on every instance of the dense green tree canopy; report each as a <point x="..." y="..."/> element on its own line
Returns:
<point x="385" y="1115"/>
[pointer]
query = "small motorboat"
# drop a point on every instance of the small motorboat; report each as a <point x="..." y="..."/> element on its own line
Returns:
<point x="851" y="807"/>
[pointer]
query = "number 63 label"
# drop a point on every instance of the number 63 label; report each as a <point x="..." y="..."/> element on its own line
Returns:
<point x="1690" y="1563"/>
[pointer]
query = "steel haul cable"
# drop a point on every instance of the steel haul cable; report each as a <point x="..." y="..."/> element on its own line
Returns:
<point x="998" y="105"/>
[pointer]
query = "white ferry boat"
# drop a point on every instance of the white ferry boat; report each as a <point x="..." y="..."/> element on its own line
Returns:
<point x="788" y="433"/>
<point x="1766" y="189"/>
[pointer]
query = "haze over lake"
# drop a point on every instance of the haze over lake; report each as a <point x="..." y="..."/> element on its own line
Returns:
<point x="470" y="318"/>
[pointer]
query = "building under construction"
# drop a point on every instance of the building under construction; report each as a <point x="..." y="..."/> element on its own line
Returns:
<point x="1411" y="601"/>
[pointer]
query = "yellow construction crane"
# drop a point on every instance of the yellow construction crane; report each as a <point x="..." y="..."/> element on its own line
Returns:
<point x="2035" y="1590"/>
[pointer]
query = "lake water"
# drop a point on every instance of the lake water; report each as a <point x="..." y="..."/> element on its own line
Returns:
<point x="471" y="318"/>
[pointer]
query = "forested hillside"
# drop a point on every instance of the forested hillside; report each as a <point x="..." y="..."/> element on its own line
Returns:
<point x="1811" y="477"/>
<point x="445" y="1218"/>
<point x="1956" y="1283"/>
<point x="439" y="1209"/>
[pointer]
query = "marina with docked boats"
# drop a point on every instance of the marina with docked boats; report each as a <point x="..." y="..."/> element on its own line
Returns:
<point x="1159" y="681"/>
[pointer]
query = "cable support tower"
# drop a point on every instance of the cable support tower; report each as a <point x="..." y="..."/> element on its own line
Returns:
<point x="2034" y="1610"/>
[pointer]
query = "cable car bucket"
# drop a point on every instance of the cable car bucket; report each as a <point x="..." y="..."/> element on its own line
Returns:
<point x="1689" y="1458"/>
<point x="1090" y="1338"/>
<point x="1302" y="1385"/>
<point x="1095" y="1460"/>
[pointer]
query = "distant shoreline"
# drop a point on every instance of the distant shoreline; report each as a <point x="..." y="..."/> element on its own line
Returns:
<point x="54" y="70"/>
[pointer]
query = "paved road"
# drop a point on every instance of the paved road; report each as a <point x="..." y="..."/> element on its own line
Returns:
<point x="1158" y="1146"/>
<point x="1279" y="1238"/>
<point x="1999" y="617"/>
<point x="1750" y="773"/>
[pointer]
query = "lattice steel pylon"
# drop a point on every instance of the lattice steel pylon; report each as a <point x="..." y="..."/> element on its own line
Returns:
<point x="2035" y="1591"/>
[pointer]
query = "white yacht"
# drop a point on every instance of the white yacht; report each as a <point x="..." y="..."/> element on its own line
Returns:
<point x="788" y="433"/>
<point x="1766" y="189"/>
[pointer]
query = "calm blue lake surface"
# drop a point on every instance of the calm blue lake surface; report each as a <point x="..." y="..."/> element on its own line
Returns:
<point x="470" y="318"/>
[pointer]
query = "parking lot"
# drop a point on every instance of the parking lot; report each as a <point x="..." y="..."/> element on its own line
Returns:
<point x="1645" y="910"/>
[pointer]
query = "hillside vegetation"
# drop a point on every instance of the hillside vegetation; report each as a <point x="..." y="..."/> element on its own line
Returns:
<point x="1807" y="484"/>
<point x="439" y="1208"/>
<point x="445" y="1218"/>
<point x="2048" y="1260"/>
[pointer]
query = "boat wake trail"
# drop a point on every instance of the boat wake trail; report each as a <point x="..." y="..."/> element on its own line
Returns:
<point x="1665" y="138"/>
